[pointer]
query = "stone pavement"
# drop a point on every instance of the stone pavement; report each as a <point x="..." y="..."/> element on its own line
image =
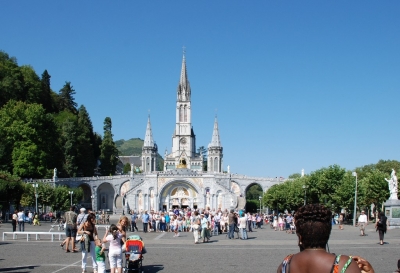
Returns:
<point x="263" y="252"/>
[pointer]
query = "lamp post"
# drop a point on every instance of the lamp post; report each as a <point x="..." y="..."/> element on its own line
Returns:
<point x="71" y="193"/>
<point x="355" y="200"/>
<point x="35" y="185"/>
<point x="305" y="194"/>
<point x="259" y="198"/>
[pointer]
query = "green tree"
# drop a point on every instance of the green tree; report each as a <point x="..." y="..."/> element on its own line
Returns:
<point x="253" y="192"/>
<point x="373" y="189"/>
<point x="26" y="132"/>
<point x="66" y="100"/>
<point x="85" y="152"/>
<point x="32" y="85"/>
<point x="11" y="190"/>
<point x="69" y="132"/>
<point x="46" y="95"/>
<point x="11" y="79"/>
<point x="127" y="168"/>
<point x="109" y="152"/>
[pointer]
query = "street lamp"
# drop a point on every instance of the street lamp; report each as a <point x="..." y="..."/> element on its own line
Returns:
<point x="71" y="193"/>
<point x="259" y="198"/>
<point x="355" y="200"/>
<point x="36" y="195"/>
<point x="305" y="194"/>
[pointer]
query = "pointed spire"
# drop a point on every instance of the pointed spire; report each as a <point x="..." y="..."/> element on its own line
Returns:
<point x="184" y="86"/>
<point x="148" y="139"/>
<point x="215" y="141"/>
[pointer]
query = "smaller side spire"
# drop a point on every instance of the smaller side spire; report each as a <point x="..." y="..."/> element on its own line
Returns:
<point x="148" y="139"/>
<point x="215" y="140"/>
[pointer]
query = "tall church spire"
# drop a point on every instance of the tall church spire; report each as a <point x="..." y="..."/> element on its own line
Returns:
<point x="148" y="139"/>
<point x="183" y="91"/>
<point x="215" y="140"/>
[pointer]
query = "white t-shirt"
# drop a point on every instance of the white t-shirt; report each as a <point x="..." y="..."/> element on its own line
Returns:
<point x="21" y="216"/>
<point x="362" y="218"/>
<point x="115" y="245"/>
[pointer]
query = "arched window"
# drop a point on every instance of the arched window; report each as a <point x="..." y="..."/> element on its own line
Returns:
<point x="216" y="164"/>
<point x="147" y="164"/>
<point x="185" y="113"/>
<point x="181" y="113"/>
<point x="211" y="164"/>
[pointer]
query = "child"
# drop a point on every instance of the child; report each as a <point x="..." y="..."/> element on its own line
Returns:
<point x="114" y="236"/>
<point x="100" y="256"/>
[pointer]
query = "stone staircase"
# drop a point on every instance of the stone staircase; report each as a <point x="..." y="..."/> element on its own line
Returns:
<point x="241" y="202"/>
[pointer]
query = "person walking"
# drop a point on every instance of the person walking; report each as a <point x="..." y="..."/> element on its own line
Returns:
<point x="362" y="222"/>
<point x="115" y="238"/>
<point x="89" y="233"/>
<point x="381" y="226"/>
<point x="196" y="226"/>
<point x="341" y="219"/>
<point x="71" y="228"/>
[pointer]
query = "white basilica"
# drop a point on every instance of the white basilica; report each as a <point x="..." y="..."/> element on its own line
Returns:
<point x="182" y="183"/>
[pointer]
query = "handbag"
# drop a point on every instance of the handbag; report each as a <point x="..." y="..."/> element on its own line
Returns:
<point x="195" y="226"/>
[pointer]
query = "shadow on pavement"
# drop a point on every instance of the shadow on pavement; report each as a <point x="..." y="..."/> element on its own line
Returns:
<point x="152" y="268"/>
<point x="19" y="269"/>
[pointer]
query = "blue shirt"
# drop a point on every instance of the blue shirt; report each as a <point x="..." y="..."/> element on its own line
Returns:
<point x="167" y="218"/>
<point x="133" y="217"/>
<point x="145" y="218"/>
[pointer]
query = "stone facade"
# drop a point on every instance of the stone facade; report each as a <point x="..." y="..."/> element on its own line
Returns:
<point x="183" y="183"/>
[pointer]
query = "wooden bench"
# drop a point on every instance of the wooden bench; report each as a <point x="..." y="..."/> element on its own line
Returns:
<point x="37" y="233"/>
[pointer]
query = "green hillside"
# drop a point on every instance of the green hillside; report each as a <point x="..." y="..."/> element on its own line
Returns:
<point x="134" y="146"/>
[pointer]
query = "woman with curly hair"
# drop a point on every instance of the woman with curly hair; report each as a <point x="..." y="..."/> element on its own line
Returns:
<point x="313" y="228"/>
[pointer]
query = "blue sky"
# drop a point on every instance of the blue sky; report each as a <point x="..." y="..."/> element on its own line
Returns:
<point x="295" y="84"/>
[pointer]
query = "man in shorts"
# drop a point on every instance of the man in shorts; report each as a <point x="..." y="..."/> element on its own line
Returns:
<point x="71" y="228"/>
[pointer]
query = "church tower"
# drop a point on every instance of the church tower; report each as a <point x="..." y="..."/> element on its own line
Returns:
<point x="183" y="139"/>
<point x="215" y="155"/>
<point x="149" y="151"/>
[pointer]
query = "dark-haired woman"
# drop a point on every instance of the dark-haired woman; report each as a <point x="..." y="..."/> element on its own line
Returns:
<point x="381" y="226"/>
<point x="89" y="232"/>
<point x="313" y="228"/>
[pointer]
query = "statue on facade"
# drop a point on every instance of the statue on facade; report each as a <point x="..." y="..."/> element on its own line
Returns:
<point x="392" y="185"/>
<point x="55" y="172"/>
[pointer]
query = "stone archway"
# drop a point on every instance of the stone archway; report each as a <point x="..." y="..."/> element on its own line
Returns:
<point x="120" y="199"/>
<point x="180" y="194"/>
<point x="86" y="201"/>
<point x="105" y="197"/>
<point x="252" y="193"/>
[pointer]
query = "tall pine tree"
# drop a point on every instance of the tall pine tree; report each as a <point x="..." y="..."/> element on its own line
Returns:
<point x="109" y="151"/>
<point x="85" y="153"/>
<point x="66" y="100"/>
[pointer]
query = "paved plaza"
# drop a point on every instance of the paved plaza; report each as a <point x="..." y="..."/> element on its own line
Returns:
<point x="263" y="252"/>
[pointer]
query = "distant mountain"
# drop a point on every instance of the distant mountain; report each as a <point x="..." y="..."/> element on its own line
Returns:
<point x="134" y="146"/>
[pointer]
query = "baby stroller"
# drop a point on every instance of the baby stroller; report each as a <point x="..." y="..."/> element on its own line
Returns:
<point x="134" y="250"/>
